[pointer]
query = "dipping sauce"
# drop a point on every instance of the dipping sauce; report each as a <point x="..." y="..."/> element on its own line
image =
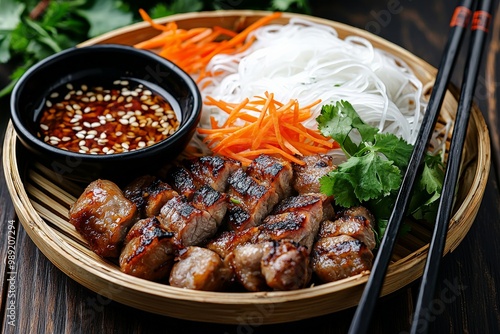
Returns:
<point x="120" y="117"/>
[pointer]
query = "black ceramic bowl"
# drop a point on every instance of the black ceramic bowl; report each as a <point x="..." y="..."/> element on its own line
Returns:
<point x="96" y="63"/>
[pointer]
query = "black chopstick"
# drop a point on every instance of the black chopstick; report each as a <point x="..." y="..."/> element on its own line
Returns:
<point x="480" y="26"/>
<point x="458" y="24"/>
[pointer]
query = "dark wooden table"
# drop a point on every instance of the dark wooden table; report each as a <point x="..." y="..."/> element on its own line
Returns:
<point x="468" y="300"/>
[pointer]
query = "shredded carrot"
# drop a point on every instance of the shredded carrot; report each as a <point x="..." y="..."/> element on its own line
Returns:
<point x="193" y="49"/>
<point x="264" y="125"/>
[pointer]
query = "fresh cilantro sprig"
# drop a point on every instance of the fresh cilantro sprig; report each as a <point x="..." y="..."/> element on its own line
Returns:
<point x="375" y="165"/>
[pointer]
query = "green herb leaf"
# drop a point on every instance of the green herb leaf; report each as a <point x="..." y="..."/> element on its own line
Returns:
<point x="394" y="148"/>
<point x="104" y="16"/>
<point x="339" y="120"/>
<point x="10" y="15"/>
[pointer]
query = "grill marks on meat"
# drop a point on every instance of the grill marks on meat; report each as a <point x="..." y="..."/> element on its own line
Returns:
<point x="149" y="250"/>
<point x="249" y="202"/>
<point x="149" y="194"/>
<point x="213" y="171"/>
<point x="273" y="172"/>
<point x="356" y="222"/>
<point x="344" y="246"/>
<point x="339" y="257"/>
<point x="102" y="215"/>
<point x="307" y="177"/>
<point x="191" y="225"/>
<point x="297" y="218"/>
<point x="255" y="192"/>
<point x="200" y="269"/>
<point x="214" y="202"/>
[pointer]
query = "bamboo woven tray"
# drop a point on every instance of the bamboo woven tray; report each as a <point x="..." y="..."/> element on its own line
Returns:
<point x="42" y="203"/>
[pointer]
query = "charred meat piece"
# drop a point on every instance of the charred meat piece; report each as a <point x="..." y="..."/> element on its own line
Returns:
<point x="149" y="250"/>
<point x="274" y="172"/>
<point x="149" y="194"/>
<point x="335" y="258"/>
<point x="214" y="202"/>
<point x="314" y="203"/>
<point x="191" y="226"/>
<point x="245" y="260"/>
<point x="356" y="222"/>
<point x="103" y="216"/>
<point x="182" y="180"/>
<point x="307" y="177"/>
<point x="297" y="218"/>
<point x="212" y="170"/>
<point x="286" y="266"/>
<point x="250" y="201"/>
<point x="297" y="226"/>
<point x="227" y="241"/>
<point x="200" y="269"/>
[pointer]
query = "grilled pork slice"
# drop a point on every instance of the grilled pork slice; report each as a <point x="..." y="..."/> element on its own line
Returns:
<point x="297" y="218"/>
<point x="286" y="266"/>
<point x="335" y="258"/>
<point x="149" y="194"/>
<point x="297" y="226"/>
<point x="227" y="241"/>
<point x="103" y="216"/>
<point x="214" y="202"/>
<point x="191" y="226"/>
<point x="212" y="170"/>
<point x="250" y="201"/>
<point x="245" y="260"/>
<point x="200" y="269"/>
<point x="274" y="172"/>
<point x="307" y="177"/>
<point x="182" y="180"/>
<point x="356" y="222"/>
<point x="149" y="250"/>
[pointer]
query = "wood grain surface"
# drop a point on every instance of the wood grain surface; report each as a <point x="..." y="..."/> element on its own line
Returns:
<point x="467" y="300"/>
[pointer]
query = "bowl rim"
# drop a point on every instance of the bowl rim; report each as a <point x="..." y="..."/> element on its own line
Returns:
<point x="190" y="121"/>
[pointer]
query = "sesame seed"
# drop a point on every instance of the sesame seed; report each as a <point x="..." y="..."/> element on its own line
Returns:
<point x="86" y="124"/>
<point x="120" y="99"/>
<point x="77" y="128"/>
<point x="48" y="104"/>
<point x="95" y="124"/>
<point x="80" y="135"/>
<point x="69" y="86"/>
<point x="155" y="106"/>
<point x="147" y="92"/>
<point x="89" y="137"/>
<point x="76" y="106"/>
<point x="79" y="92"/>
<point x="82" y="143"/>
<point x="66" y="138"/>
<point x="84" y="87"/>
<point x="54" y="95"/>
<point x="141" y="144"/>
<point x="44" y="127"/>
<point x="116" y="82"/>
<point x="123" y="121"/>
<point x="69" y="108"/>
<point x="125" y="146"/>
<point x="119" y="133"/>
<point x="107" y="97"/>
<point x="124" y="82"/>
<point x="135" y="124"/>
